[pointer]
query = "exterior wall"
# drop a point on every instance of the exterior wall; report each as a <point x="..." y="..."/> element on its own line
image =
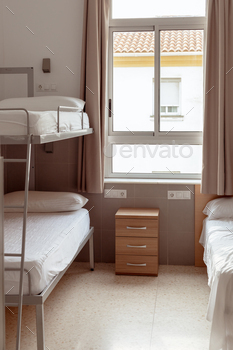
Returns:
<point x="133" y="95"/>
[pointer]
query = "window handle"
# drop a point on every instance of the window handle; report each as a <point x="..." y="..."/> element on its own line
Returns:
<point x="110" y="108"/>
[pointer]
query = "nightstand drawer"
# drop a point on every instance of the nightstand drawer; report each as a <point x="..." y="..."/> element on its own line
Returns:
<point x="137" y="227"/>
<point x="136" y="246"/>
<point x="136" y="265"/>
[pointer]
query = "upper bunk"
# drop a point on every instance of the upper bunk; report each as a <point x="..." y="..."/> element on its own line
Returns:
<point x="45" y="119"/>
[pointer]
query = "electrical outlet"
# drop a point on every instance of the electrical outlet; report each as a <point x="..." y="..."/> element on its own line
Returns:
<point x="171" y="195"/>
<point x="179" y="194"/>
<point x="110" y="193"/>
<point x="39" y="87"/>
<point x="122" y="193"/>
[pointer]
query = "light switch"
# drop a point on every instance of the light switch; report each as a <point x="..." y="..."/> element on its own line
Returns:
<point x="54" y="87"/>
<point x="186" y="194"/>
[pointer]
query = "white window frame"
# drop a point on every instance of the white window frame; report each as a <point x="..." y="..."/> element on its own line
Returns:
<point x="156" y="137"/>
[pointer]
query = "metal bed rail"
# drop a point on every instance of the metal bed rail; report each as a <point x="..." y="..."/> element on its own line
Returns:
<point x="19" y="109"/>
<point x="79" y="110"/>
<point x="69" y="108"/>
<point x="45" y="138"/>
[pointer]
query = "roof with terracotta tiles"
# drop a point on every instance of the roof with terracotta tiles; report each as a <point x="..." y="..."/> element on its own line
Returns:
<point x="171" y="41"/>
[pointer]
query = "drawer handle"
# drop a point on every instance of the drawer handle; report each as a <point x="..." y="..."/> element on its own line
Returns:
<point x="135" y="228"/>
<point x="129" y="264"/>
<point x="135" y="246"/>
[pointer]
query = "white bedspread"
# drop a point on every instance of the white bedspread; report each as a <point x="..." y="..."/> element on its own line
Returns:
<point x="44" y="122"/>
<point x="217" y="239"/>
<point x="51" y="243"/>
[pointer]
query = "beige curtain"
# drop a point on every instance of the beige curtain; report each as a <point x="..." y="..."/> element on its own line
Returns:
<point x="93" y="91"/>
<point x="217" y="173"/>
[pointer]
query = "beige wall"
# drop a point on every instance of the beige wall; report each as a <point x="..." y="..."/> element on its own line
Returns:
<point x="56" y="24"/>
<point x="176" y="221"/>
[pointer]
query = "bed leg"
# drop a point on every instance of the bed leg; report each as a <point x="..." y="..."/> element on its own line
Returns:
<point x="91" y="253"/>
<point x="40" y="327"/>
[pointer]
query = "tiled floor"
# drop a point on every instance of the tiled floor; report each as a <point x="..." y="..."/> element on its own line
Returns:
<point x="98" y="310"/>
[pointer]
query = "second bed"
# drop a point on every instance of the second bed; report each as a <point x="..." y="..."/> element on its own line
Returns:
<point x="217" y="240"/>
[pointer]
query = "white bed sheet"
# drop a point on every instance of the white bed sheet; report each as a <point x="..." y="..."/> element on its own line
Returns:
<point x="44" y="122"/>
<point x="51" y="243"/>
<point x="217" y="239"/>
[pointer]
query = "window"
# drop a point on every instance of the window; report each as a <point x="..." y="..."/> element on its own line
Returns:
<point x="170" y="97"/>
<point x="132" y="76"/>
<point x="155" y="90"/>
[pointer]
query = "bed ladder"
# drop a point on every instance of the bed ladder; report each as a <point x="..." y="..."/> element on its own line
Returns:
<point x="22" y="254"/>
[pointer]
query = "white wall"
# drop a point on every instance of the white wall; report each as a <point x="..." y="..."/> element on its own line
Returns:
<point x="56" y="24"/>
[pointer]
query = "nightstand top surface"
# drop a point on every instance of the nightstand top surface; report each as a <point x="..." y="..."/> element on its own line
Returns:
<point x="149" y="213"/>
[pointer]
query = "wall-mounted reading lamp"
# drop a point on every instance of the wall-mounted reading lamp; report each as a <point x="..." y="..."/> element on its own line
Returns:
<point x="46" y="65"/>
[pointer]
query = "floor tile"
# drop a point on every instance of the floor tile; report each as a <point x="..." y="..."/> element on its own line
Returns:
<point x="97" y="310"/>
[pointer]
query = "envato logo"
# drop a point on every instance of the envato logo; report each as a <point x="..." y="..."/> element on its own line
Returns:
<point x="148" y="151"/>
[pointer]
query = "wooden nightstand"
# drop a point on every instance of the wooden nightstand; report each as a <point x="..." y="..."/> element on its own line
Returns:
<point x="137" y="241"/>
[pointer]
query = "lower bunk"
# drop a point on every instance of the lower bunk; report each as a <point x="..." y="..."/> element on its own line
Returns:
<point x="53" y="241"/>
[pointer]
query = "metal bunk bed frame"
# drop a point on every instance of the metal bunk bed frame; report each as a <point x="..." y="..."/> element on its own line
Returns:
<point x="20" y="299"/>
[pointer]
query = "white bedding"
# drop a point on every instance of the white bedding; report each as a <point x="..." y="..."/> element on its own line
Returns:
<point x="217" y="239"/>
<point x="51" y="243"/>
<point x="40" y="122"/>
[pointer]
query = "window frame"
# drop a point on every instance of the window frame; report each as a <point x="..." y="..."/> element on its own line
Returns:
<point x="156" y="136"/>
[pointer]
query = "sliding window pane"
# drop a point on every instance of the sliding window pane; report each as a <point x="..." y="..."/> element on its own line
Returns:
<point x="157" y="8"/>
<point x="181" y="80"/>
<point x="156" y="159"/>
<point x="133" y="75"/>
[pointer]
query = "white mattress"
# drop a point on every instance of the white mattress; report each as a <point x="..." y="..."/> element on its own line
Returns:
<point x="217" y="239"/>
<point x="51" y="243"/>
<point x="44" y="122"/>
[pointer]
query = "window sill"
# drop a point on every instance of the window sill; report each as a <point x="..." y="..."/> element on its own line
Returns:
<point x="153" y="181"/>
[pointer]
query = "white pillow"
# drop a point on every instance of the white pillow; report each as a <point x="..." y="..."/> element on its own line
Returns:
<point x="44" y="202"/>
<point x="219" y="208"/>
<point x="42" y="103"/>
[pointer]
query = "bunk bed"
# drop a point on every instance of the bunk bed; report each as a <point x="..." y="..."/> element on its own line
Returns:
<point x="22" y="122"/>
